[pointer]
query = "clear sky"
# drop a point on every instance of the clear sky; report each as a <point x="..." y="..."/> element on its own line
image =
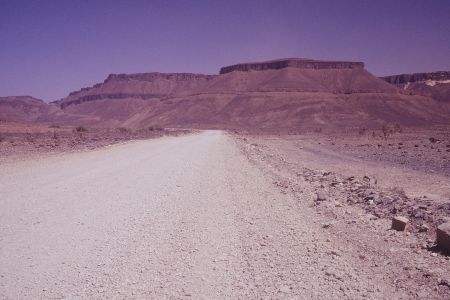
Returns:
<point x="50" y="48"/>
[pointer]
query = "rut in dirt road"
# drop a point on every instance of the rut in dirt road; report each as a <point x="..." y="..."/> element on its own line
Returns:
<point x="185" y="217"/>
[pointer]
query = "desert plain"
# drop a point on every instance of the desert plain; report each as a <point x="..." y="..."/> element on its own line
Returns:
<point x="270" y="180"/>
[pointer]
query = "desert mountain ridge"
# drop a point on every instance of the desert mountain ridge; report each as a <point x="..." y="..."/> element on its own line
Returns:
<point x="283" y="74"/>
<point x="434" y="84"/>
<point x="283" y="93"/>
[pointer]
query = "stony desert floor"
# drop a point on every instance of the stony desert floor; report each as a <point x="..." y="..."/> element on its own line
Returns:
<point x="364" y="179"/>
<point x="218" y="215"/>
<point x="20" y="141"/>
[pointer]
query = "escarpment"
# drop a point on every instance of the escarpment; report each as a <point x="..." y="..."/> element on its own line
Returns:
<point x="300" y="63"/>
<point x="417" y="77"/>
<point x="435" y="85"/>
<point x="139" y="86"/>
<point x="159" y="76"/>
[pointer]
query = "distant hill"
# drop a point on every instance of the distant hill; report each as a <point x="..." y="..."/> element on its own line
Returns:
<point x="279" y="94"/>
<point x="435" y="85"/>
<point x="25" y="109"/>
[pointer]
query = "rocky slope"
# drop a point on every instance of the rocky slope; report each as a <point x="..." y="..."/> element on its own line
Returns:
<point x="435" y="85"/>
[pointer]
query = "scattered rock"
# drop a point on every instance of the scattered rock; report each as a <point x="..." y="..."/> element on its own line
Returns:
<point x="399" y="223"/>
<point x="335" y="253"/>
<point x="422" y="293"/>
<point x="424" y="228"/>
<point x="321" y="196"/>
<point x="285" y="289"/>
<point x="326" y="225"/>
<point x="371" y="217"/>
<point x="443" y="282"/>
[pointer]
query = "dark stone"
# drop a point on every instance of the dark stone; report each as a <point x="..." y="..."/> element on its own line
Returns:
<point x="443" y="237"/>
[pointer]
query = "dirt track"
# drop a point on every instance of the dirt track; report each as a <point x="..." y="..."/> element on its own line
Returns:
<point x="185" y="217"/>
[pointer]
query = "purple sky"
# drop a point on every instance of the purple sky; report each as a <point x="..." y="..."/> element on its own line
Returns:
<point x="50" y="48"/>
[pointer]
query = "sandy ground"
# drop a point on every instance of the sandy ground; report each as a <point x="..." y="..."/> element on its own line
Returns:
<point x="202" y="216"/>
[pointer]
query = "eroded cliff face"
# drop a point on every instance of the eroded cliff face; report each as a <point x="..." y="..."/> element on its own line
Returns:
<point x="435" y="84"/>
<point x="417" y="77"/>
<point x="299" y="63"/>
<point x="159" y="76"/>
<point x="139" y="86"/>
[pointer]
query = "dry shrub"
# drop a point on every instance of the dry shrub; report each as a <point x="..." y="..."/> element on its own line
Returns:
<point x="81" y="129"/>
<point x="155" y="128"/>
<point x="123" y="130"/>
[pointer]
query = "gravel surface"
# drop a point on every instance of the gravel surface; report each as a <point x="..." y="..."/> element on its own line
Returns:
<point x="171" y="218"/>
<point x="356" y="203"/>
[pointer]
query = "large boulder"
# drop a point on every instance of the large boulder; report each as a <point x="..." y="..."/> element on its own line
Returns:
<point x="399" y="223"/>
<point x="443" y="237"/>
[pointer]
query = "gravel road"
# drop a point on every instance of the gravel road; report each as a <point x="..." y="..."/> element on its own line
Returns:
<point x="177" y="217"/>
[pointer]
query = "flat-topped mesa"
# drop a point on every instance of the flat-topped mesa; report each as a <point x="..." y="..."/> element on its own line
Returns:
<point x="300" y="63"/>
<point x="156" y="75"/>
<point x="148" y="77"/>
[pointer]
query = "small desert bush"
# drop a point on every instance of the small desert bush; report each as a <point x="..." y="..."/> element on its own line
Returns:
<point x="123" y="130"/>
<point x="433" y="140"/>
<point x="399" y="191"/>
<point x="29" y="137"/>
<point x="81" y="129"/>
<point x="155" y="128"/>
<point x="389" y="129"/>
